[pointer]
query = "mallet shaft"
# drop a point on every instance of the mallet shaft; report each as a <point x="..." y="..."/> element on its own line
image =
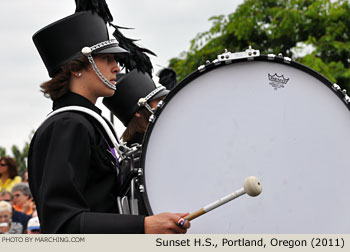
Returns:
<point x="215" y="204"/>
<point x="252" y="187"/>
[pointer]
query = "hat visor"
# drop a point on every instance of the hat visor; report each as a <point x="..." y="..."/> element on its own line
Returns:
<point x="164" y="92"/>
<point x="118" y="51"/>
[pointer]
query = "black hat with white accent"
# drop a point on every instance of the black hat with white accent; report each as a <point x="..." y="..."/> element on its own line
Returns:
<point x="63" y="40"/>
<point x="134" y="90"/>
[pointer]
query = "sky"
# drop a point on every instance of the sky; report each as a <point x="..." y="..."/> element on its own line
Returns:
<point x="163" y="26"/>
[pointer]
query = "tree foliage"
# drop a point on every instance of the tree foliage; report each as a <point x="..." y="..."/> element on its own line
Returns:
<point x="279" y="26"/>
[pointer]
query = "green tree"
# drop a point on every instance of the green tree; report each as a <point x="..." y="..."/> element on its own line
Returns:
<point x="279" y="26"/>
<point x="2" y="151"/>
<point x="21" y="157"/>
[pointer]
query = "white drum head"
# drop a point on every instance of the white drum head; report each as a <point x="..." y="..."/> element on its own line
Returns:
<point x="234" y="122"/>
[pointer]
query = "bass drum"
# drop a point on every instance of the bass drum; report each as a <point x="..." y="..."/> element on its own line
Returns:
<point x="274" y="119"/>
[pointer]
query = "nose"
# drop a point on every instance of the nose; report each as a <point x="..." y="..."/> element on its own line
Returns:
<point x="116" y="68"/>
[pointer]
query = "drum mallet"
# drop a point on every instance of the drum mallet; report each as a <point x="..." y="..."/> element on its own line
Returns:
<point x="252" y="187"/>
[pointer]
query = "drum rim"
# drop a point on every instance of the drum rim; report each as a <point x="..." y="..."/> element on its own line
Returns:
<point x="207" y="68"/>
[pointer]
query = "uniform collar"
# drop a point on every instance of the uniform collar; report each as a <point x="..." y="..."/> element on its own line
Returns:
<point x="73" y="99"/>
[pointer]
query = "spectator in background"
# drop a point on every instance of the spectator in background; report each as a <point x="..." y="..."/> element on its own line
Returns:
<point x="25" y="177"/>
<point x="33" y="226"/>
<point x="16" y="216"/>
<point x="8" y="174"/>
<point x="7" y="226"/>
<point x="6" y="196"/>
<point x="22" y="199"/>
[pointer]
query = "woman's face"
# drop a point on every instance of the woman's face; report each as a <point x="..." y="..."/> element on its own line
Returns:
<point x="109" y="68"/>
<point x="25" y="177"/>
<point x="19" y="198"/>
<point x="5" y="216"/>
<point x="3" y="167"/>
<point x="5" y="221"/>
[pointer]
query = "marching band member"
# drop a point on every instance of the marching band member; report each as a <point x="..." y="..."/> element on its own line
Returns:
<point x="133" y="104"/>
<point x="127" y="105"/>
<point x="73" y="169"/>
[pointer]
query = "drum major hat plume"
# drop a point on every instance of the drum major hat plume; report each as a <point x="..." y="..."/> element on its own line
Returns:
<point x="137" y="57"/>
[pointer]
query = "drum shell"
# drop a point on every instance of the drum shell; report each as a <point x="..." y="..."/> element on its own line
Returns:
<point x="286" y="136"/>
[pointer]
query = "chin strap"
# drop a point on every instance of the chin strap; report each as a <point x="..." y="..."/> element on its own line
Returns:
<point x="87" y="51"/>
<point x="144" y="100"/>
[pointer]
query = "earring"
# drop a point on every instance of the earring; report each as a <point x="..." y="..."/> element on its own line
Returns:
<point x="79" y="74"/>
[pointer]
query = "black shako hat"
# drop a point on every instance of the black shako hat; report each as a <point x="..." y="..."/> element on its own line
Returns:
<point x="131" y="88"/>
<point x="63" y="40"/>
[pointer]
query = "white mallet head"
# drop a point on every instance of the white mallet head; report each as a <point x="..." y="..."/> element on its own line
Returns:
<point x="252" y="186"/>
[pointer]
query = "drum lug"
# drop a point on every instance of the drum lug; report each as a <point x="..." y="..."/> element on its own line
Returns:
<point x="216" y="62"/>
<point x="140" y="172"/>
<point x="287" y="60"/>
<point x="346" y="97"/>
<point x="201" y="68"/>
<point x="336" y="87"/>
<point x="249" y="54"/>
<point x="271" y="56"/>
<point x="226" y="56"/>
<point x="160" y="104"/>
<point x="152" y="118"/>
<point x="141" y="188"/>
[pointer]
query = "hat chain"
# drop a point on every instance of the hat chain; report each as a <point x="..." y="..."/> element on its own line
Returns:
<point x="103" y="44"/>
<point x="143" y="101"/>
<point x="86" y="51"/>
<point x="154" y="92"/>
<point x="99" y="74"/>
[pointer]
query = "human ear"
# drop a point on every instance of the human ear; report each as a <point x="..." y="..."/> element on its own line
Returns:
<point x="77" y="74"/>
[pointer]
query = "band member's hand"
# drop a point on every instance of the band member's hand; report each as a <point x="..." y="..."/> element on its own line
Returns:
<point x="165" y="223"/>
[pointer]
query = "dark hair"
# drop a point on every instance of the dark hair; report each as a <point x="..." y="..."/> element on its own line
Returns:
<point x="12" y="166"/>
<point x="59" y="84"/>
<point x="136" y="124"/>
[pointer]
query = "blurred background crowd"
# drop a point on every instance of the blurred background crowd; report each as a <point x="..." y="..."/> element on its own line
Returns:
<point x="17" y="209"/>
